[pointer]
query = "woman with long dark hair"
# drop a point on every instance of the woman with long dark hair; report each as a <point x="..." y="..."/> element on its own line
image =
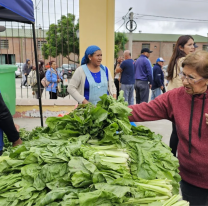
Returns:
<point x="183" y="47"/>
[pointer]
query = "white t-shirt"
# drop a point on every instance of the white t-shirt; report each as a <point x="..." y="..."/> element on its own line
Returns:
<point x="117" y="75"/>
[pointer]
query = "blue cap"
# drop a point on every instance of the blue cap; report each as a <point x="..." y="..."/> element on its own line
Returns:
<point x="160" y="59"/>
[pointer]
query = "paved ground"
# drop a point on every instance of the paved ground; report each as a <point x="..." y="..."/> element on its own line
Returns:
<point x="163" y="127"/>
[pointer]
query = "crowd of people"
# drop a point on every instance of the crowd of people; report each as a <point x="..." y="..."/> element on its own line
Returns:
<point x="48" y="74"/>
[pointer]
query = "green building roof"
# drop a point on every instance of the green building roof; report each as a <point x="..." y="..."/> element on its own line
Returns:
<point x="164" y="37"/>
<point x="21" y="32"/>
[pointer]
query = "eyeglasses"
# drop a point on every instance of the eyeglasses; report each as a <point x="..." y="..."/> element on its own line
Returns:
<point x="189" y="79"/>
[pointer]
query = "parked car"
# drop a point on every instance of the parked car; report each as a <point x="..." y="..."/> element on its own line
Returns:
<point x="73" y="66"/>
<point x="18" y="72"/>
<point x="67" y="70"/>
<point x="165" y="67"/>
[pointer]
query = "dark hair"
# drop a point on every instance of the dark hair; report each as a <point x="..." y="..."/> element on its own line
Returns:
<point x="40" y="66"/>
<point x="177" y="54"/>
<point x="51" y="62"/>
<point x="88" y="57"/>
<point x="198" y="61"/>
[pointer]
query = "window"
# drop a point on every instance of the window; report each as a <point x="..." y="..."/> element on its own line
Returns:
<point x="205" y="47"/>
<point x="4" y="44"/>
<point x="145" y="46"/>
<point x="40" y="44"/>
<point x="173" y="47"/>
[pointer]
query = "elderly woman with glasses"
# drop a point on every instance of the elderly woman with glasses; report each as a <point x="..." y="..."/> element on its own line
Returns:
<point x="92" y="79"/>
<point x="187" y="107"/>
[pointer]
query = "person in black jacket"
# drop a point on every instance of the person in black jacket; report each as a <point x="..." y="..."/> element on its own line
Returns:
<point x="7" y="126"/>
<point x="41" y="75"/>
<point x="158" y="78"/>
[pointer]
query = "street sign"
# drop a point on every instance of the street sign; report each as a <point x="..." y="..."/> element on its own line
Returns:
<point x="131" y="25"/>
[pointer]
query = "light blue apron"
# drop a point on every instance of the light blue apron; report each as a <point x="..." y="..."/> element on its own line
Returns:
<point x="96" y="90"/>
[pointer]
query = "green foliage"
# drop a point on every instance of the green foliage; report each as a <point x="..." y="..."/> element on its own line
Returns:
<point x="60" y="38"/>
<point x="120" y="41"/>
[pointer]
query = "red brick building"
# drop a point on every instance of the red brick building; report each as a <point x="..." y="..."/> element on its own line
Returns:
<point x="161" y="44"/>
<point x="16" y="45"/>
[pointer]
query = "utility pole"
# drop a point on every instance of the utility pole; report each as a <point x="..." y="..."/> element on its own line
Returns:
<point x="131" y="14"/>
<point x="131" y="25"/>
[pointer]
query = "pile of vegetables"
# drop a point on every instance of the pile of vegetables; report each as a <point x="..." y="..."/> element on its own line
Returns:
<point x="91" y="157"/>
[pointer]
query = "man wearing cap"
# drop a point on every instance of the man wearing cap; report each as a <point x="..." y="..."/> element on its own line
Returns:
<point x="158" y="78"/>
<point x="143" y="76"/>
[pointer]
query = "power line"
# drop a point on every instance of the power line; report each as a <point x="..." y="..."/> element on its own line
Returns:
<point x="168" y="17"/>
<point x="37" y="5"/>
<point x="169" y="20"/>
<point x="119" y="21"/>
<point x="193" y="1"/>
<point x="120" y="26"/>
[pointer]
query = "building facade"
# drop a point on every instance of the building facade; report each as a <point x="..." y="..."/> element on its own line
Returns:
<point x="162" y="45"/>
<point x="16" y="45"/>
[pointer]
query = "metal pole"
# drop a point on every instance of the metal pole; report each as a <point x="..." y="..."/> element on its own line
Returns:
<point x="130" y="34"/>
<point x="37" y="74"/>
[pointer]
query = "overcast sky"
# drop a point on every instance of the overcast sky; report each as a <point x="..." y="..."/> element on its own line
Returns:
<point x="186" y="9"/>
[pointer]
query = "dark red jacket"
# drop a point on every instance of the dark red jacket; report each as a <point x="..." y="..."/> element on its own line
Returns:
<point x="187" y="112"/>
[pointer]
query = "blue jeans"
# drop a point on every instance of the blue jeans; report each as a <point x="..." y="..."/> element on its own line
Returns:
<point x="128" y="93"/>
<point x="155" y="93"/>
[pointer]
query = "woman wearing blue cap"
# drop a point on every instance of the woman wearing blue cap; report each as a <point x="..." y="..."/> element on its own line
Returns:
<point x="92" y="79"/>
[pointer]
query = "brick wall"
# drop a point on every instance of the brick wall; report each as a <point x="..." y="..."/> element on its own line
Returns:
<point x="23" y="49"/>
<point x="160" y="49"/>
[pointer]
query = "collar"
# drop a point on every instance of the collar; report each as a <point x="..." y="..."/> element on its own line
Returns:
<point x="142" y="55"/>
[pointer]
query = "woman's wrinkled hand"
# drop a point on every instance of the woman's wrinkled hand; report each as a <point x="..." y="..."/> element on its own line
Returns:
<point x="18" y="142"/>
<point x="85" y="102"/>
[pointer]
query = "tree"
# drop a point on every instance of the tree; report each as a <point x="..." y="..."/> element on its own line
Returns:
<point x="120" y="41"/>
<point x="60" y="38"/>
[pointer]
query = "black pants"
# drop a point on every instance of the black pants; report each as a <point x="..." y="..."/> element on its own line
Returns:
<point x="53" y="95"/>
<point x="116" y="82"/>
<point x="174" y="140"/>
<point x="164" y="90"/>
<point x="142" y="91"/>
<point x="195" y="195"/>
